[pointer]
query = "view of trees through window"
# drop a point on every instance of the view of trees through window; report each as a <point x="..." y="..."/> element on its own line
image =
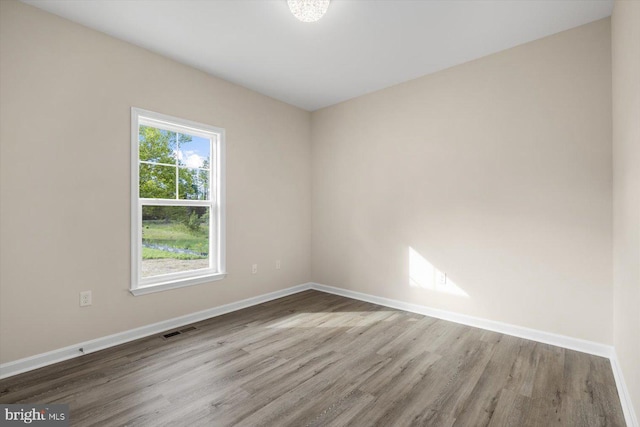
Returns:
<point x="174" y="166"/>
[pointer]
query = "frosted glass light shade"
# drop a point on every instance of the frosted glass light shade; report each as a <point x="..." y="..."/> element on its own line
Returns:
<point x="308" y="10"/>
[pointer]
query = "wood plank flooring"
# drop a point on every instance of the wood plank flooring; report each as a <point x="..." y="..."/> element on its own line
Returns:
<point x="315" y="359"/>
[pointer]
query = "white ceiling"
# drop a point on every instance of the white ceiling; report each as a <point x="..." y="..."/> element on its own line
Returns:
<point x="359" y="46"/>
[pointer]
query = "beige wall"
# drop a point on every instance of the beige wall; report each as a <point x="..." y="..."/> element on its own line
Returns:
<point x="625" y="23"/>
<point x="65" y="98"/>
<point x="497" y="172"/>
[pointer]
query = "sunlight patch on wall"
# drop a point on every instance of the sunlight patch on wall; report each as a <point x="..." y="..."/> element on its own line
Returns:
<point x="422" y="274"/>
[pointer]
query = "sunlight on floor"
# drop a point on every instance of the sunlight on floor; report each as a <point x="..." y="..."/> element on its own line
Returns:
<point x="335" y="319"/>
<point x="422" y="274"/>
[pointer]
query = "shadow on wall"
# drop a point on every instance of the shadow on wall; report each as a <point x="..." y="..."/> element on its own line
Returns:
<point x="422" y="274"/>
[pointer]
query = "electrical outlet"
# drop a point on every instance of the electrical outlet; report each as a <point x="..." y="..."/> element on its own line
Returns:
<point x="278" y="264"/>
<point x="254" y="269"/>
<point x="441" y="278"/>
<point x="85" y="298"/>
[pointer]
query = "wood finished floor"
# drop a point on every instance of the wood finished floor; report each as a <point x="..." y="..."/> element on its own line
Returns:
<point x="315" y="359"/>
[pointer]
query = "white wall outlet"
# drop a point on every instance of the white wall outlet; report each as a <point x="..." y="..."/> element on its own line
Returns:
<point x="441" y="278"/>
<point x="85" y="298"/>
<point x="254" y="269"/>
<point x="278" y="264"/>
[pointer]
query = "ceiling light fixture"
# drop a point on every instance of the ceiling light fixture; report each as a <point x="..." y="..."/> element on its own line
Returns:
<point x="308" y="10"/>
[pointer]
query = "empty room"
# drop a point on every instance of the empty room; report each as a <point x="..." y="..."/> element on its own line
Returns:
<point x="320" y="213"/>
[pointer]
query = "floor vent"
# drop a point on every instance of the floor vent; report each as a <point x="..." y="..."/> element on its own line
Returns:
<point x="189" y="329"/>
<point x="171" y="334"/>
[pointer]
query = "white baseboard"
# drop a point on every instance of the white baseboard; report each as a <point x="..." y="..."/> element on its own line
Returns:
<point x="598" y="349"/>
<point x="29" y="363"/>
<point x="623" y="392"/>
<point x="477" y="322"/>
<point x="577" y="344"/>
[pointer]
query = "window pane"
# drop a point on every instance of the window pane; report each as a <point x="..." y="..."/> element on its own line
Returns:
<point x="174" y="239"/>
<point x="194" y="184"/>
<point x="157" y="145"/>
<point x="194" y="151"/>
<point x="157" y="182"/>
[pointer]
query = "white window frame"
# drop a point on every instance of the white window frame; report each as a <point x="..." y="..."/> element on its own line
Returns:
<point x="216" y="204"/>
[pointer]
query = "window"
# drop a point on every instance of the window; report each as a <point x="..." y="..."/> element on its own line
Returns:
<point x="177" y="202"/>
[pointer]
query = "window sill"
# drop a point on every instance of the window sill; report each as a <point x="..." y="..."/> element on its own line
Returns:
<point x="174" y="284"/>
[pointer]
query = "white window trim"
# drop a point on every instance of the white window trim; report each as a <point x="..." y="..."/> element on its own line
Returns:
<point x="140" y="286"/>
